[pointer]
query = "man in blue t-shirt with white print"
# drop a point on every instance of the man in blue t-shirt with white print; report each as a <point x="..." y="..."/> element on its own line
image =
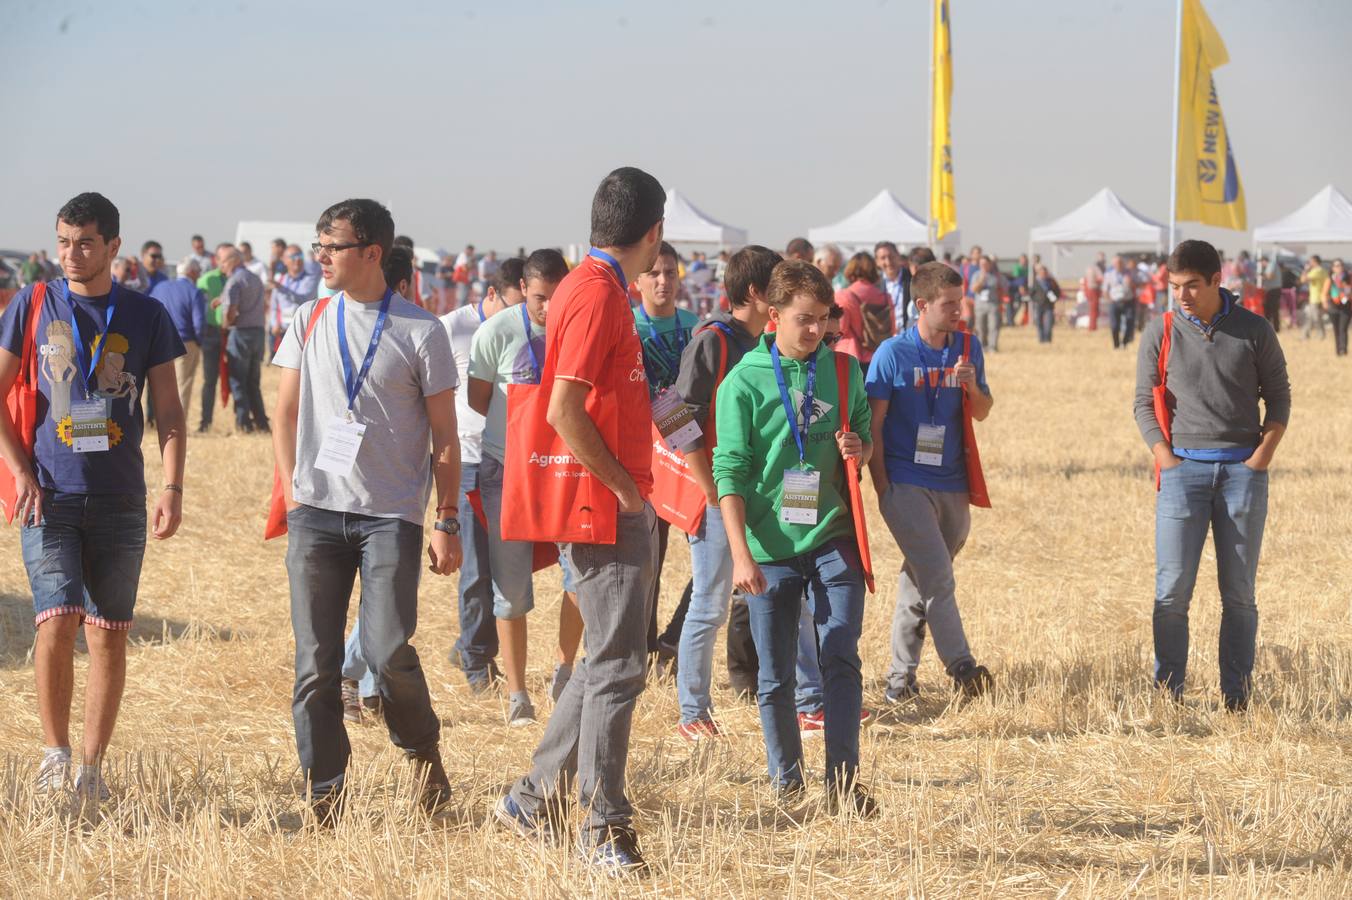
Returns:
<point x="80" y="495"/>
<point x="916" y="383"/>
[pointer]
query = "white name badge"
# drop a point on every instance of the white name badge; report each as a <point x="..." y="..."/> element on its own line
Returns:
<point x="338" y="452"/>
<point x="802" y="491"/>
<point x="89" y="425"/>
<point x="674" y="420"/>
<point x="929" y="445"/>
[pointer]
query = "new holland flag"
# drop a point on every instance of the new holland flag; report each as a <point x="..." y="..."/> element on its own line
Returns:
<point x="1209" y="190"/>
<point x="943" y="206"/>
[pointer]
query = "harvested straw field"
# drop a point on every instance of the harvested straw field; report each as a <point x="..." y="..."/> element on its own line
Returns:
<point x="1072" y="780"/>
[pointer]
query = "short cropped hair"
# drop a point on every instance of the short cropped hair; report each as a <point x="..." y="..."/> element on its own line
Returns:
<point x="798" y="248"/>
<point x="509" y="274"/>
<point x="861" y="267"/>
<point x="669" y="251"/>
<point x="750" y="267"/>
<point x="931" y="278"/>
<point x="371" y="222"/>
<point x="547" y="265"/>
<point x="403" y="240"/>
<point x="796" y="277"/>
<point x="878" y="247"/>
<point x="398" y="266"/>
<point x="1197" y="257"/>
<point x="837" y="311"/>
<point x="627" y="203"/>
<point x="150" y="245"/>
<point x="921" y="255"/>
<point x="82" y="209"/>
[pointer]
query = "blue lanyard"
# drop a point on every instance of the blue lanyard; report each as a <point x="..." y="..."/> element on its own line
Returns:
<point x="799" y="434"/>
<point x="87" y="367"/>
<point x="931" y="399"/>
<point x="671" y="363"/>
<point x="614" y="266"/>
<point x="354" y="384"/>
<point x="536" y="367"/>
<point x="481" y="312"/>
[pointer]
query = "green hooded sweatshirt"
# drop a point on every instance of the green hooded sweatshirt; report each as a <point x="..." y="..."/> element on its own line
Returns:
<point x="756" y="445"/>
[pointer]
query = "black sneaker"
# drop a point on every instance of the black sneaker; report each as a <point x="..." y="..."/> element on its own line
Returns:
<point x="1237" y="705"/>
<point x="664" y="665"/>
<point x="852" y="799"/>
<point x="615" y="853"/>
<point x="327" y="807"/>
<point x="434" y="788"/>
<point x="972" y="680"/>
<point x="484" y="681"/>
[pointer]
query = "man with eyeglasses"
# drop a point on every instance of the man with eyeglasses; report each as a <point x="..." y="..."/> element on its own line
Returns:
<point x="152" y="261"/>
<point x="366" y="426"/>
<point x="294" y="287"/>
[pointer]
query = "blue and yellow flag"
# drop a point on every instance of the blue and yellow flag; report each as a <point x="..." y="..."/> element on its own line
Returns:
<point x="943" y="206"/>
<point x="1208" y="181"/>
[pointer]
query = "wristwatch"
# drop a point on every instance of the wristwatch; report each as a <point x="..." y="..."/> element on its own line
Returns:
<point x="448" y="526"/>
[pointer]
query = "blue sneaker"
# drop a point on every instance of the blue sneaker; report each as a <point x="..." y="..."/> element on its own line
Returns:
<point x="530" y="825"/>
<point x="616" y="854"/>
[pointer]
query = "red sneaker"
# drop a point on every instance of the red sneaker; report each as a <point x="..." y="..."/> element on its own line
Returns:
<point x="699" y="730"/>
<point x="812" y="724"/>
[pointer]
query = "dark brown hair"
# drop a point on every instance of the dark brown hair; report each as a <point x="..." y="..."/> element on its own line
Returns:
<point x="1197" y="257"/>
<point x="861" y="267"/>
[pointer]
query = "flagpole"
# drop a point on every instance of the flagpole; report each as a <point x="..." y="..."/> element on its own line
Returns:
<point x="1173" y="166"/>
<point x="929" y="130"/>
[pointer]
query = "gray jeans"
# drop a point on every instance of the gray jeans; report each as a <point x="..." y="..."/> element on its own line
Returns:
<point x="930" y="527"/>
<point x="324" y="552"/>
<point x="588" y="734"/>
<point x="988" y="324"/>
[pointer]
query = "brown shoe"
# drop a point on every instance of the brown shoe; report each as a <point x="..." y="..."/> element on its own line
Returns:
<point x="351" y="702"/>
<point x="434" y="788"/>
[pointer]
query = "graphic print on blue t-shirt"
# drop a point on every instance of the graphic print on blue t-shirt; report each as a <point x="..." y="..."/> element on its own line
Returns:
<point x="140" y="337"/>
<point x="897" y="375"/>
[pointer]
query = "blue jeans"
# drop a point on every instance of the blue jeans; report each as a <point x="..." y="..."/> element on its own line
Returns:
<point x="711" y="593"/>
<point x="211" y="370"/>
<point x="325" y="550"/>
<point x="245" y="350"/>
<point x="478" y="642"/>
<point x="355" y="667"/>
<point x="833" y="579"/>
<point x="1230" y="501"/>
<point x="84" y="557"/>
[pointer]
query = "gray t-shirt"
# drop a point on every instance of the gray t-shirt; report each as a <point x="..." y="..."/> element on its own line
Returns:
<point x="392" y="476"/>
<point x="244" y="290"/>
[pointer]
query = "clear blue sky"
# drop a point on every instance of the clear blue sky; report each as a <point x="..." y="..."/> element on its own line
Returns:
<point x="492" y="121"/>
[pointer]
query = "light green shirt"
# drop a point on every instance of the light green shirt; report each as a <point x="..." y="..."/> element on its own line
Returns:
<point x="499" y="355"/>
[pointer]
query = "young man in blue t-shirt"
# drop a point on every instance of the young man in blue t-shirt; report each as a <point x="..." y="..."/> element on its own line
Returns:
<point x="916" y="383"/>
<point x="80" y="495"/>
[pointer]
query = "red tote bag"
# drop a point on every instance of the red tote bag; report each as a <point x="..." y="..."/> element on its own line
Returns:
<point x="843" y="361"/>
<point x="547" y="494"/>
<point x="976" y="478"/>
<point x="676" y="496"/>
<point x="21" y="405"/>
<point x="1160" y="393"/>
<point x="276" y="524"/>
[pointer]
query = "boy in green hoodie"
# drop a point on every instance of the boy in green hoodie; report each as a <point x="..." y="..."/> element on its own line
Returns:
<point x="779" y="468"/>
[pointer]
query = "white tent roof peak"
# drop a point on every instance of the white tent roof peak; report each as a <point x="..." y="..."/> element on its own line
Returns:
<point x="687" y="224"/>
<point x="1325" y="218"/>
<point x="1102" y="219"/>
<point x="883" y="218"/>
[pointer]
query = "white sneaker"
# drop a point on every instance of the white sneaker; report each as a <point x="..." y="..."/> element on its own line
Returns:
<point x="54" y="772"/>
<point x="91" y="791"/>
<point x="520" y="712"/>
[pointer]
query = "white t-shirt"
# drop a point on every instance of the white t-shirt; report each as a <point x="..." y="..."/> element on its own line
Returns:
<point x="499" y="355"/>
<point x="460" y="325"/>
<point x="260" y="268"/>
<point x="392" y="476"/>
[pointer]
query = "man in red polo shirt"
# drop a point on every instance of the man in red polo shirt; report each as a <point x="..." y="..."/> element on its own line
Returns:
<point x="592" y="351"/>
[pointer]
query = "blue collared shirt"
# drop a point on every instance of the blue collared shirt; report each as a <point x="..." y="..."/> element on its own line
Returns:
<point x="289" y="292"/>
<point x="186" y="304"/>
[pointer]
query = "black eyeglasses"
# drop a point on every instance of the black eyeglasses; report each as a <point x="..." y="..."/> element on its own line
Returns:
<point x="331" y="249"/>
<point x="156" y="255"/>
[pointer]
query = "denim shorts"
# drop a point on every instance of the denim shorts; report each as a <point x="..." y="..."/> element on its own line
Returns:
<point x="569" y="575"/>
<point x="85" y="557"/>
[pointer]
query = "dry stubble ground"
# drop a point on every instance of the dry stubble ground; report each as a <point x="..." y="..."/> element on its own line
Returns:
<point x="1072" y="780"/>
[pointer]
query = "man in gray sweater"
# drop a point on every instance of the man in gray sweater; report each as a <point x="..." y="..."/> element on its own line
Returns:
<point x="1213" y="468"/>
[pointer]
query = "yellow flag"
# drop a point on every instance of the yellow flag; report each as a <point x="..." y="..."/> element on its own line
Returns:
<point x="1209" y="190"/>
<point x="943" y="206"/>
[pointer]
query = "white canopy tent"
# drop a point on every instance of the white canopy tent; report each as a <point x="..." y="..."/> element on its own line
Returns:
<point x="1102" y="219"/>
<point x="687" y="225"/>
<point x="1326" y="218"/>
<point x="883" y="218"/>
